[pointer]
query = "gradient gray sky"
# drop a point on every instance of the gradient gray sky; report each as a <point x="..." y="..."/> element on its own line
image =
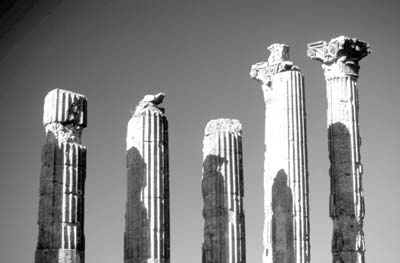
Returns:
<point x="199" y="53"/>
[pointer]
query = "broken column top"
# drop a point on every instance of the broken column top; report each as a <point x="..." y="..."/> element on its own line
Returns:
<point x="278" y="53"/>
<point x="227" y="125"/>
<point x="150" y="103"/>
<point x="278" y="61"/>
<point x="65" y="107"/>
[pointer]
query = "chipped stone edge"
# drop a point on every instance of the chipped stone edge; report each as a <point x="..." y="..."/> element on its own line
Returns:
<point x="223" y="124"/>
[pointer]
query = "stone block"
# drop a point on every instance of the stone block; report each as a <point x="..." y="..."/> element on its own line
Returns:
<point x="66" y="208"/>
<point x="50" y="235"/>
<point x="62" y="179"/>
<point x="72" y="154"/>
<point x="65" y="107"/>
<point x="59" y="256"/>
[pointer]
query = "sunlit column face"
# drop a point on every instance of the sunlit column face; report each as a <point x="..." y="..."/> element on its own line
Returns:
<point x="146" y="237"/>
<point x="286" y="225"/>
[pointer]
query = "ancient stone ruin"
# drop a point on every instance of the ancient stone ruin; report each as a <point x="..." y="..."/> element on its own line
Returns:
<point x="146" y="238"/>
<point x="286" y="236"/>
<point x="340" y="59"/>
<point x="286" y="221"/>
<point x="62" y="181"/>
<point x="222" y="188"/>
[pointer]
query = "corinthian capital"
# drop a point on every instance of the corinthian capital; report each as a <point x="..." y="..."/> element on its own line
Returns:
<point x="340" y="56"/>
<point x="278" y="61"/>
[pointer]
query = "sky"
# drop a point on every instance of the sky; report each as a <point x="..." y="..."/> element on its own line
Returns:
<point x="199" y="53"/>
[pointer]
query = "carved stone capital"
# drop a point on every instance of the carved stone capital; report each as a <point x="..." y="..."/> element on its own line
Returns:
<point x="340" y="56"/>
<point x="150" y="103"/>
<point x="278" y="61"/>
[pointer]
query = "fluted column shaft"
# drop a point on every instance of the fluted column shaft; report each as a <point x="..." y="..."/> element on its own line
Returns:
<point x="146" y="238"/>
<point x="340" y="62"/>
<point x="286" y="221"/>
<point x="346" y="206"/>
<point x="222" y="188"/>
<point x="61" y="206"/>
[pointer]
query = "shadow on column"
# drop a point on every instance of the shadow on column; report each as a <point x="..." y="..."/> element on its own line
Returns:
<point x="215" y="211"/>
<point x="61" y="166"/>
<point x="340" y="156"/>
<point x="282" y="220"/>
<point x="137" y="228"/>
<point x="348" y="233"/>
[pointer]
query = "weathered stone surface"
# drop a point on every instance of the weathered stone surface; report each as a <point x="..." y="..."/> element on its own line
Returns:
<point x="150" y="102"/>
<point x="57" y="255"/>
<point x="278" y="61"/>
<point x="222" y="188"/>
<point x="340" y="59"/>
<point x="62" y="179"/>
<point x="146" y="237"/>
<point x="64" y="153"/>
<point x="61" y="205"/>
<point x="286" y="221"/>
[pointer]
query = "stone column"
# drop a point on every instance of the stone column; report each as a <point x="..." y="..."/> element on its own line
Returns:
<point x="222" y="188"/>
<point x="62" y="181"/>
<point x="286" y="222"/>
<point x="146" y="238"/>
<point x="340" y="59"/>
